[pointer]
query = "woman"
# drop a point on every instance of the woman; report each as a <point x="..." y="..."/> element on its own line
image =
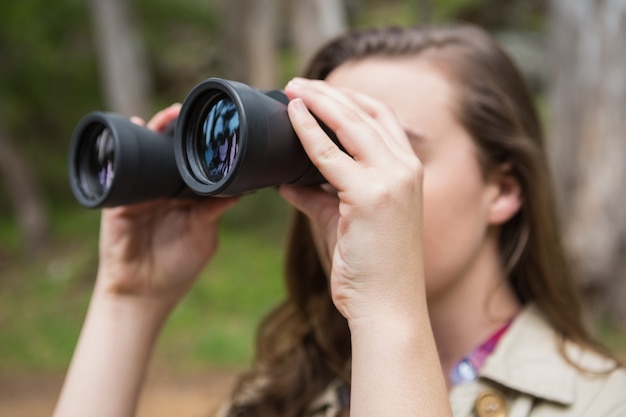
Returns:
<point x="427" y="278"/>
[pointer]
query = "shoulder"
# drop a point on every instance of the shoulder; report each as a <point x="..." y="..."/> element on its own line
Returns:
<point x="599" y="384"/>
<point x="534" y="361"/>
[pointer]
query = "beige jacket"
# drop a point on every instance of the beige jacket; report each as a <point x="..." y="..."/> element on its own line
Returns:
<point x="526" y="376"/>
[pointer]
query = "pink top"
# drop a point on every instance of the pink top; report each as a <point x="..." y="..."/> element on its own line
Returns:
<point x="467" y="369"/>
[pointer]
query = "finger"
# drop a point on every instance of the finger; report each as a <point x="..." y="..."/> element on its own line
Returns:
<point x="212" y="208"/>
<point x="160" y="120"/>
<point x="138" y="120"/>
<point x="334" y="164"/>
<point x="325" y="89"/>
<point x="359" y="134"/>
<point x="384" y="115"/>
<point x="318" y="205"/>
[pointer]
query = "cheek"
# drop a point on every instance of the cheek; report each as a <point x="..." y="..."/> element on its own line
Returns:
<point x="454" y="224"/>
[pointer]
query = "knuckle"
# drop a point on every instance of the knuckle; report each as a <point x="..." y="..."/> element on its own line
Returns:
<point x="383" y="109"/>
<point x="415" y="167"/>
<point x="327" y="152"/>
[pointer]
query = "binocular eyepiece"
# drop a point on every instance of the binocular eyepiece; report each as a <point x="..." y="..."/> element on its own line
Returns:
<point x="229" y="139"/>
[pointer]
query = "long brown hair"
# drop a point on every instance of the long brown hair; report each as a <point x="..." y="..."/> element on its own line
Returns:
<point x="304" y="343"/>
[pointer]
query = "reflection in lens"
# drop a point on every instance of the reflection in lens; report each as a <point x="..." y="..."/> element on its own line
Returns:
<point x="220" y="139"/>
<point x="96" y="157"/>
<point x="105" y="154"/>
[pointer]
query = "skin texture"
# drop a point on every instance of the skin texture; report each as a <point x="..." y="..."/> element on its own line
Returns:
<point x="408" y="216"/>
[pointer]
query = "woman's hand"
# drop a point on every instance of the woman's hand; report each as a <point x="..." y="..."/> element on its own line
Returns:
<point x="157" y="249"/>
<point x="150" y="254"/>
<point x="372" y="226"/>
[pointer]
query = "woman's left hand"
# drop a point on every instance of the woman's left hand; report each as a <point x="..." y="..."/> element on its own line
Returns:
<point x="372" y="226"/>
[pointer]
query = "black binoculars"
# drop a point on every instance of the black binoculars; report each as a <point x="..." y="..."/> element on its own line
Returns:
<point x="229" y="139"/>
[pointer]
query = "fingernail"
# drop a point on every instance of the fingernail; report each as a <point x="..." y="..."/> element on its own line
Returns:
<point x="137" y="120"/>
<point x="298" y="105"/>
<point x="297" y="82"/>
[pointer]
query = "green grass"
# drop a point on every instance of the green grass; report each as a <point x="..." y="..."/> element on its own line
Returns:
<point x="43" y="301"/>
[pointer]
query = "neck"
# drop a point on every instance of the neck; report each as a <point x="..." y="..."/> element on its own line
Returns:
<point x="464" y="317"/>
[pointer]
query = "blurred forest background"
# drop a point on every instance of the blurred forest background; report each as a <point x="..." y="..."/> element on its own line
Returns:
<point x="60" y="60"/>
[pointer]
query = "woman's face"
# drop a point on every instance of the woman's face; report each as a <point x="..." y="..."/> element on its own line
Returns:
<point x="457" y="198"/>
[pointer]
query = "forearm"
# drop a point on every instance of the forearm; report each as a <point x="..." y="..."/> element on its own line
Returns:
<point x="396" y="369"/>
<point x="111" y="357"/>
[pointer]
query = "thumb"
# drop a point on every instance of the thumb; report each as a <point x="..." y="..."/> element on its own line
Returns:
<point x="318" y="205"/>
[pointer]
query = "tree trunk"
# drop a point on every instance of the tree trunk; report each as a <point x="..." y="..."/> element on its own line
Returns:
<point x="251" y="34"/>
<point x="250" y="45"/>
<point x="124" y="71"/>
<point x="24" y="196"/>
<point x="588" y="146"/>
<point x="313" y="23"/>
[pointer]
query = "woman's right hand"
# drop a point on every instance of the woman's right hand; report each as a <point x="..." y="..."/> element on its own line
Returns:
<point x="157" y="249"/>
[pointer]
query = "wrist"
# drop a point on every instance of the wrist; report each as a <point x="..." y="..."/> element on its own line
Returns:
<point x="392" y="330"/>
<point x="140" y="297"/>
<point x="144" y="310"/>
<point x="396" y="367"/>
<point x="401" y="303"/>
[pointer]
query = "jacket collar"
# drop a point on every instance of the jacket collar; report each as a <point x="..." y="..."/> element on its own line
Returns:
<point x="529" y="359"/>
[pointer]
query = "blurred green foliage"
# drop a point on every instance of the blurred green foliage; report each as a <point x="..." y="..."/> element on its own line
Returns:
<point x="47" y="71"/>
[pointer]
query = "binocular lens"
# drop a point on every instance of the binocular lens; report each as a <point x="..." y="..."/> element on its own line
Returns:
<point x="219" y="140"/>
<point x="97" y="156"/>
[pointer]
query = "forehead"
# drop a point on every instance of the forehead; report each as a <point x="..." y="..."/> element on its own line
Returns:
<point x="413" y="87"/>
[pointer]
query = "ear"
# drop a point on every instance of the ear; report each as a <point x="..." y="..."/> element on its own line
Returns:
<point x="506" y="200"/>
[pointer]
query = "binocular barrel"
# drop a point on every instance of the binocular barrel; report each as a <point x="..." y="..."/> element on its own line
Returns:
<point x="113" y="161"/>
<point x="229" y="139"/>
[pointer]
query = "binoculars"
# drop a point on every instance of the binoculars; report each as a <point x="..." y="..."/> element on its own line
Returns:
<point x="229" y="139"/>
